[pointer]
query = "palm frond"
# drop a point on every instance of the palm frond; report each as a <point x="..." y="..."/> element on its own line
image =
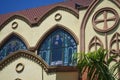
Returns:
<point x="96" y="65"/>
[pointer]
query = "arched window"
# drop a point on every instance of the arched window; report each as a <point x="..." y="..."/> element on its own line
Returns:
<point x="11" y="45"/>
<point x="57" y="48"/>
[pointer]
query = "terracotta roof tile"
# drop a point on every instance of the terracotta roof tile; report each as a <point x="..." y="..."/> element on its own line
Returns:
<point x="33" y="15"/>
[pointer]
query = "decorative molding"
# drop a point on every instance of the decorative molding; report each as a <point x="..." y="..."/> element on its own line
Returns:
<point x="18" y="16"/>
<point x="39" y="21"/>
<point x="37" y="59"/>
<point x="33" y="49"/>
<point x="89" y="11"/>
<point x="94" y="42"/>
<point x="64" y="8"/>
<point x="58" y="17"/>
<point x="14" y="25"/>
<point x="53" y="29"/>
<point x="105" y="11"/>
<point x="84" y="22"/>
<point x="17" y="35"/>
<point x="25" y="54"/>
<point x="115" y="40"/>
<point x="19" y="67"/>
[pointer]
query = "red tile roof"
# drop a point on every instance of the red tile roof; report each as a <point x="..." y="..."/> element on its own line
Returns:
<point x="35" y="14"/>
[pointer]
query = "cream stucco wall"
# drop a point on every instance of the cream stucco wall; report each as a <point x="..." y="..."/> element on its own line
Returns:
<point x="90" y="32"/>
<point x="33" y="34"/>
<point x="32" y="71"/>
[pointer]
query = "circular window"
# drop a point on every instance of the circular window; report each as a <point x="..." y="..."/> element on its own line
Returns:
<point x="19" y="67"/>
<point x="105" y="19"/>
<point x="14" y="25"/>
<point x="58" y="17"/>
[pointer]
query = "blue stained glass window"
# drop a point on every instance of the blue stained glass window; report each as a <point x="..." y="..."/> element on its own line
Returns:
<point x="57" y="49"/>
<point x="13" y="44"/>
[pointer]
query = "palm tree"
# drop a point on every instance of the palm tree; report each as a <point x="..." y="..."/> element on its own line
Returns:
<point x="96" y="65"/>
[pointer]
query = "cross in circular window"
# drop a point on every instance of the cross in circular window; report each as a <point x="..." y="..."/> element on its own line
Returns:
<point x="105" y="19"/>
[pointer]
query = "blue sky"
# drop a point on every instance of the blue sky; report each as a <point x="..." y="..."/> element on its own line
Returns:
<point x="7" y="6"/>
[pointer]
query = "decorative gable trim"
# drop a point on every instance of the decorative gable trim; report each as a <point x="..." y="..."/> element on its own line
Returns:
<point x="39" y="18"/>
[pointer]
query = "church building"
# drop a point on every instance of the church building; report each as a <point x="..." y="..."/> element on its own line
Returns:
<point x="38" y="43"/>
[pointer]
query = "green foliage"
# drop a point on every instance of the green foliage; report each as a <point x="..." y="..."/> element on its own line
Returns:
<point x="96" y="65"/>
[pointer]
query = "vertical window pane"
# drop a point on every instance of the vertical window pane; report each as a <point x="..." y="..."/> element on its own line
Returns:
<point x="57" y="56"/>
<point x="45" y="55"/>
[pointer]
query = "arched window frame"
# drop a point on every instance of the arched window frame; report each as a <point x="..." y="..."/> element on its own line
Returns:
<point x="9" y="37"/>
<point x="50" y="31"/>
